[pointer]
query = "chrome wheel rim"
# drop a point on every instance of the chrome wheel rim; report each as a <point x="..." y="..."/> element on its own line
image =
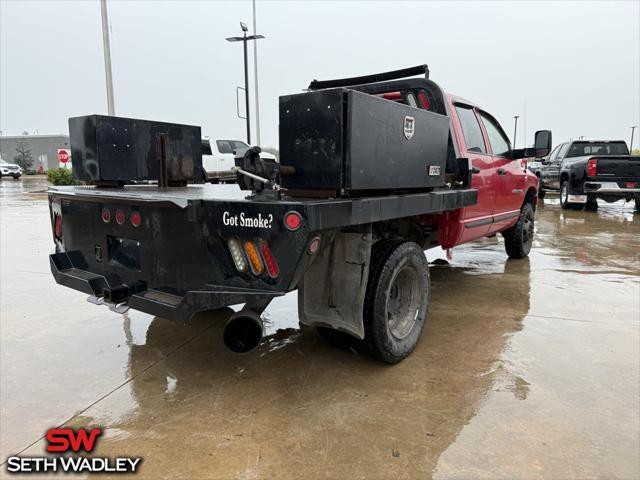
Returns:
<point x="403" y="302"/>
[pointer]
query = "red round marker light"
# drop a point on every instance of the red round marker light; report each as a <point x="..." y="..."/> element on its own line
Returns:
<point x="135" y="219"/>
<point x="292" y="220"/>
<point x="120" y="217"/>
<point x="106" y="215"/>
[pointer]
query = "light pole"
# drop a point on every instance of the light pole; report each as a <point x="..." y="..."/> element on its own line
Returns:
<point x="244" y="40"/>
<point x="106" y="44"/>
<point x="631" y="142"/>
<point x="515" y="129"/>
<point x="255" y="77"/>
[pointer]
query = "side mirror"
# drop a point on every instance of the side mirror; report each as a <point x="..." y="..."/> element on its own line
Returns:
<point x="542" y="144"/>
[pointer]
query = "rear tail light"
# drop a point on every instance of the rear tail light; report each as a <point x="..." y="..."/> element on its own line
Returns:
<point x="592" y="167"/>
<point x="254" y="257"/>
<point x="423" y="100"/>
<point x="57" y="226"/>
<point x="237" y="255"/>
<point x="292" y="220"/>
<point x="106" y="215"/>
<point x="269" y="260"/>
<point x="120" y="217"/>
<point x="135" y="219"/>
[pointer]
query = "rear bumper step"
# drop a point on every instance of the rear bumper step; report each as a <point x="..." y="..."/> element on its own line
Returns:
<point x="67" y="270"/>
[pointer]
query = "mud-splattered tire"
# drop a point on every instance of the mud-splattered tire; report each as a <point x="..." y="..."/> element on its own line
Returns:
<point x="396" y="301"/>
<point x="519" y="238"/>
<point x="592" y="204"/>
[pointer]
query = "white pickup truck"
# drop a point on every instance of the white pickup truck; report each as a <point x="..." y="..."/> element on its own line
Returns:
<point x="218" y="158"/>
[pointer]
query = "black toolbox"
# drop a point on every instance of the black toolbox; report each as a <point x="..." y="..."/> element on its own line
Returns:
<point x="350" y="142"/>
<point x="114" y="150"/>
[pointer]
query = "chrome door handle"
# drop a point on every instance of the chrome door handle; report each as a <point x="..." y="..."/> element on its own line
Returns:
<point x="502" y="171"/>
<point x="475" y="170"/>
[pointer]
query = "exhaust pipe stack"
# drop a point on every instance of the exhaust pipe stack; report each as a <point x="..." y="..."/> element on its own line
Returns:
<point x="243" y="331"/>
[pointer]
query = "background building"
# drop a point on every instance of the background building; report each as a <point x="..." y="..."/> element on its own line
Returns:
<point x="44" y="148"/>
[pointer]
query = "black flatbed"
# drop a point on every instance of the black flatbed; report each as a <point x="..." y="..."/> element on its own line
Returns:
<point x="322" y="213"/>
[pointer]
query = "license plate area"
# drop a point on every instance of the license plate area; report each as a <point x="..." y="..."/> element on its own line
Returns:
<point x="124" y="252"/>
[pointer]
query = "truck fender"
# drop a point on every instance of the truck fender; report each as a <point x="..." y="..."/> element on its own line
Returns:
<point x="333" y="289"/>
<point x="575" y="178"/>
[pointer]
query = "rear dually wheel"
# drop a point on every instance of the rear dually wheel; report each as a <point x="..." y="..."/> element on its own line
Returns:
<point x="396" y="301"/>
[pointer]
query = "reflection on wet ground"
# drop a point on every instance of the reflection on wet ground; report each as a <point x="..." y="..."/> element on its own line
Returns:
<point x="526" y="369"/>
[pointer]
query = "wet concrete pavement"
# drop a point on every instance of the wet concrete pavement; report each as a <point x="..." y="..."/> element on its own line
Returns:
<point x="526" y="369"/>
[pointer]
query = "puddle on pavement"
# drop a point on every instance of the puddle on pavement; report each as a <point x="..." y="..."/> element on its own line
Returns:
<point x="526" y="368"/>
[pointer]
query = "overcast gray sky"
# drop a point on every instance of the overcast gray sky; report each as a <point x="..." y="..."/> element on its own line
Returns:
<point x="575" y="64"/>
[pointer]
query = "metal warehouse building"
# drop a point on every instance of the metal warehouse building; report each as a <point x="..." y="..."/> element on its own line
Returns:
<point x="44" y="148"/>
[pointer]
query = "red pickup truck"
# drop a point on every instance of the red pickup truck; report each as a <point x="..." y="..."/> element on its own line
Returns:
<point x="372" y="171"/>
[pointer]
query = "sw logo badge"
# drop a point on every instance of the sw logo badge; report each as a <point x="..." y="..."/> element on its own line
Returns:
<point x="409" y="127"/>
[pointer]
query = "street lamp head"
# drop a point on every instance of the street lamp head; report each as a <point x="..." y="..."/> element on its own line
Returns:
<point x="243" y="26"/>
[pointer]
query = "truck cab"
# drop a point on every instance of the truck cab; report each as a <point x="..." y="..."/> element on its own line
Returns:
<point x="504" y="185"/>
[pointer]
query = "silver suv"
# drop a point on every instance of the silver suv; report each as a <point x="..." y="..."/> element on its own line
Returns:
<point x="10" y="170"/>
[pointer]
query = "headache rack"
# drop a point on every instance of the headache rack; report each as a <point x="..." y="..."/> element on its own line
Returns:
<point x="374" y="78"/>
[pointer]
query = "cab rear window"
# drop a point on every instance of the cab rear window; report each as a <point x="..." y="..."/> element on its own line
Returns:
<point x="580" y="149"/>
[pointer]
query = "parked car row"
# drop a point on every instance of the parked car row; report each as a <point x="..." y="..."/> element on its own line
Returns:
<point x="584" y="170"/>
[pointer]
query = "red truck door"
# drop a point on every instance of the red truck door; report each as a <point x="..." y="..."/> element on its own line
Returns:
<point x="477" y="219"/>
<point x="510" y="175"/>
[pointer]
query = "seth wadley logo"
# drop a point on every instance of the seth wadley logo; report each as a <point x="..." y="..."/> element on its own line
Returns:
<point x="69" y="441"/>
<point x="409" y="126"/>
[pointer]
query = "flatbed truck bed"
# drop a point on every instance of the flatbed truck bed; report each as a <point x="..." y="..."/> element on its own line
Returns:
<point x="322" y="213"/>
<point x="181" y="223"/>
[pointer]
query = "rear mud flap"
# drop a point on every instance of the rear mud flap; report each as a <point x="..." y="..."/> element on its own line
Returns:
<point x="333" y="289"/>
